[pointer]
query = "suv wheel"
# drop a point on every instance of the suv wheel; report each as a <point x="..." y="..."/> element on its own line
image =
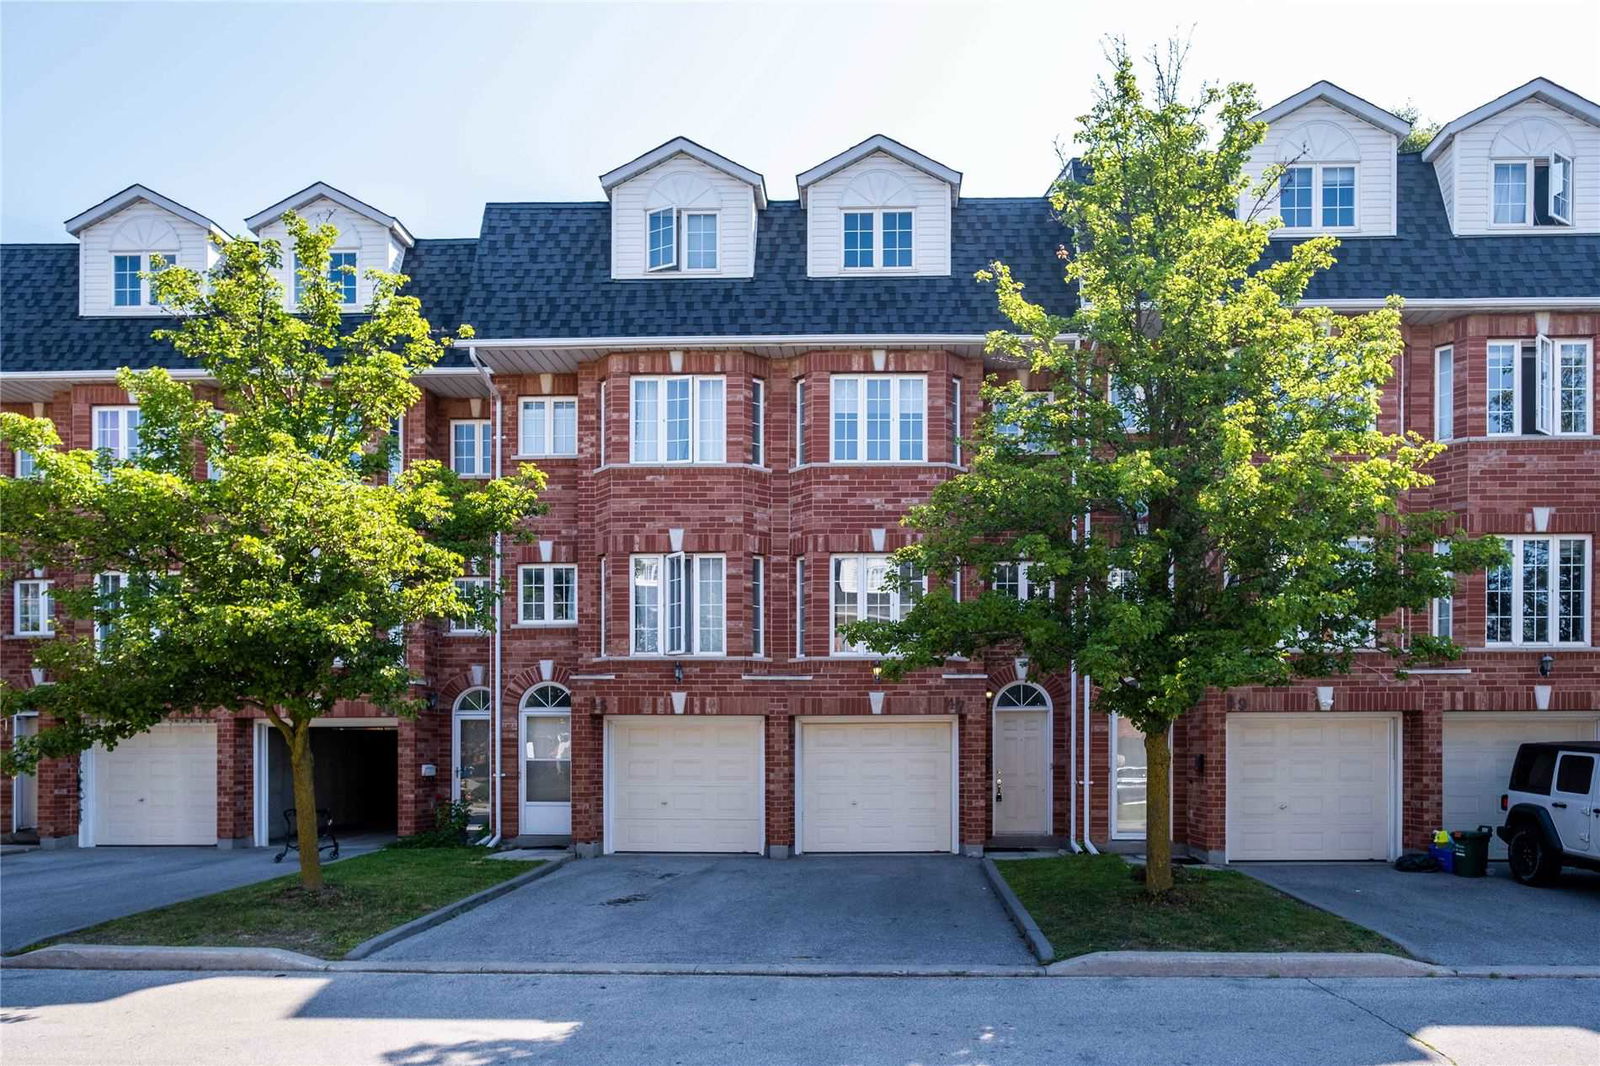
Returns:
<point x="1531" y="860"/>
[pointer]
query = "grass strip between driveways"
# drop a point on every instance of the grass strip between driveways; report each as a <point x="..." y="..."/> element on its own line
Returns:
<point x="366" y="895"/>
<point x="1087" y="903"/>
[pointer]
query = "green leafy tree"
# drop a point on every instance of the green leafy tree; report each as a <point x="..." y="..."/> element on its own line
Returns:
<point x="1422" y="132"/>
<point x="283" y="583"/>
<point x="1235" y="518"/>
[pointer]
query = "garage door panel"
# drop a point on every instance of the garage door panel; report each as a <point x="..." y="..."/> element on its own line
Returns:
<point x="686" y="784"/>
<point x="158" y="788"/>
<point x="1478" y="751"/>
<point x="876" y="786"/>
<point x="1306" y="787"/>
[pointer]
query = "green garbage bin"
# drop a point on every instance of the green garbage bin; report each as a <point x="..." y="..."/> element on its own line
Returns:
<point x="1472" y="851"/>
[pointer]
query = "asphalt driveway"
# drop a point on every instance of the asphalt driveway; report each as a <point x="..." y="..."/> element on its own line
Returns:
<point x="49" y="893"/>
<point x="1458" y="921"/>
<point x="847" y="909"/>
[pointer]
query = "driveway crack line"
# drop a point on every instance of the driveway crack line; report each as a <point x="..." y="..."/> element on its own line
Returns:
<point x="1409" y="1035"/>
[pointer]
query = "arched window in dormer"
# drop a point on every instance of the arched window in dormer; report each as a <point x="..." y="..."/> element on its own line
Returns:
<point x="681" y="224"/>
<point x="879" y="222"/>
<point x="1530" y="174"/>
<point x="1318" y="187"/>
<point x="133" y="248"/>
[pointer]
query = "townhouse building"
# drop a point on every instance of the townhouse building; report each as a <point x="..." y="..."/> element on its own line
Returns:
<point x="735" y="400"/>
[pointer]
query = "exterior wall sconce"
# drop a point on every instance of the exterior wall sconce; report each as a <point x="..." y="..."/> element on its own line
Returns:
<point x="677" y="671"/>
<point x="877" y="671"/>
<point x="988" y="694"/>
<point x="1546" y="661"/>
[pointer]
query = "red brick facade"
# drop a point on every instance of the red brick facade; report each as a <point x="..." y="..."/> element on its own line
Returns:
<point x="602" y="510"/>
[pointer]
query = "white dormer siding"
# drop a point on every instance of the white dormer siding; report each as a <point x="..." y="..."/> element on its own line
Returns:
<point x="874" y="185"/>
<point x="1331" y="142"/>
<point x="374" y="245"/>
<point x="1531" y="132"/>
<point x="683" y="186"/>
<point x="139" y="229"/>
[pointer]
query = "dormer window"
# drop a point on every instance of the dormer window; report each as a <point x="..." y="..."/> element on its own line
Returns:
<point x="860" y="251"/>
<point x="1536" y="191"/>
<point x="128" y="287"/>
<point x="342" y="280"/>
<point x="697" y="232"/>
<point x="1324" y="196"/>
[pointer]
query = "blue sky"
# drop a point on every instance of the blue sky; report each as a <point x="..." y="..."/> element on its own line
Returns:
<point x="428" y="110"/>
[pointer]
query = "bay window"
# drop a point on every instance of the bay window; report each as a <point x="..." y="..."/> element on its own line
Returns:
<point x="679" y="419"/>
<point x="1542" y="595"/>
<point x="758" y="422"/>
<point x="878" y="418"/>
<point x="1539" y="386"/>
<point x="547" y="426"/>
<point x="860" y="590"/>
<point x="678" y="604"/>
<point x="1444" y="393"/>
<point x="547" y="595"/>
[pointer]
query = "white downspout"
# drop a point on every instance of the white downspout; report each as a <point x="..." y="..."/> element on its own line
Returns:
<point x="1072" y="759"/>
<point x="495" y="693"/>
<point x="1087" y="747"/>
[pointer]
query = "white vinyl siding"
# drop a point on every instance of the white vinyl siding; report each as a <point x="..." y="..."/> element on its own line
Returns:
<point x="547" y="426"/>
<point x="1374" y="174"/>
<point x="858" y="589"/>
<point x="686" y="187"/>
<point x="368" y="240"/>
<point x="678" y="419"/>
<point x="137" y="230"/>
<point x="906" y="189"/>
<point x="1532" y="130"/>
<point x="678" y="604"/>
<point x="1542" y="595"/>
<point x="547" y="595"/>
<point x="471" y="447"/>
<point x="878" y="418"/>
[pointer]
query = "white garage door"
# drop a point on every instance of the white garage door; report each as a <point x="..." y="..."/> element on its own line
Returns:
<point x="1478" y="750"/>
<point x="1310" y="786"/>
<point x="876" y="786"/>
<point x="685" y="784"/>
<point x="158" y="788"/>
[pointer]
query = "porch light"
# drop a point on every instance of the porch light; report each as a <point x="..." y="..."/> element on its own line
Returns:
<point x="1546" y="661"/>
<point x="677" y="671"/>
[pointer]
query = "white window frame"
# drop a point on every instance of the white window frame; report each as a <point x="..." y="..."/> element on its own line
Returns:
<point x="678" y="264"/>
<point x="605" y="603"/>
<point x="1027" y="587"/>
<point x="23" y="589"/>
<point x="896" y="412"/>
<point x="144" y="287"/>
<point x="688" y="603"/>
<point x="1528" y="213"/>
<point x="649" y="219"/>
<point x="799" y="421"/>
<point x="483" y="443"/>
<point x="877" y="214"/>
<point x="1444" y="392"/>
<point x="716" y="249"/>
<point x="23" y="464"/>
<point x="1013" y="430"/>
<point x="1564" y="163"/>
<point x="545" y="446"/>
<point x="955" y="421"/>
<point x="601" y="423"/>
<point x="124" y="451"/>
<point x="758" y="606"/>
<point x="102" y="630"/>
<point x="1548" y="354"/>
<point x="800" y="607"/>
<point x="1442" y="611"/>
<point x="542" y="614"/>
<point x="457" y="627"/>
<point x="1586" y="346"/>
<point x="1317" y="225"/>
<point x="703" y="447"/>
<point x="898" y="604"/>
<point x="397" y="458"/>
<point x="758" y="422"/>
<point x="1553" y="611"/>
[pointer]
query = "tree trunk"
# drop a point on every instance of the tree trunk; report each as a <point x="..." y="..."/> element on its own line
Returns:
<point x="305" y="807"/>
<point x="1158" y="814"/>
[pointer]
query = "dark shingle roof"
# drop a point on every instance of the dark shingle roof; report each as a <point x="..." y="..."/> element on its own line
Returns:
<point x="544" y="270"/>
<point x="1423" y="261"/>
<point x="441" y="275"/>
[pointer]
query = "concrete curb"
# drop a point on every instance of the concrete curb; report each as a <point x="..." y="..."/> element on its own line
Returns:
<point x="451" y="910"/>
<point x="1242" y="964"/>
<point x="118" y="957"/>
<point x="1038" y="943"/>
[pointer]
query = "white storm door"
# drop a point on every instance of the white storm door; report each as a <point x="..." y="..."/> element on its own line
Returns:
<point x="546" y="775"/>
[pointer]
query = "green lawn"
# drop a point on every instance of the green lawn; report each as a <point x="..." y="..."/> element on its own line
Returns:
<point x="366" y="895"/>
<point x="1092" y="903"/>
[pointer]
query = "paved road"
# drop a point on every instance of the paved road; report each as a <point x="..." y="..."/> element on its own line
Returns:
<point x="56" y="1018"/>
<point x="847" y="909"/>
<point x="1457" y="921"/>
<point x="46" y="893"/>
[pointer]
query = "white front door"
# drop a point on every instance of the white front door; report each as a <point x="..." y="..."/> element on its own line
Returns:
<point x="1479" y="747"/>
<point x="690" y="783"/>
<point x="1021" y="755"/>
<point x="1311" y="786"/>
<point x="877" y="785"/>
<point x="546" y="774"/>
<point x="1572" y="798"/>
<point x="159" y="787"/>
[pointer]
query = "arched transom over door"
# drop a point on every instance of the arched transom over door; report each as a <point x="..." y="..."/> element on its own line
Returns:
<point x="546" y="808"/>
<point x="1021" y="761"/>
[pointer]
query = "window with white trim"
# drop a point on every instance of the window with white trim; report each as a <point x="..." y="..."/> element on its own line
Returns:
<point x="129" y="288"/>
<point x="471" y="445"/>
<point x="1542" y="595"/>
<point x="605" y="604"/>
<point x="116" y="432"/>
<point x="678" y="604"/>
<point x="1018" y="581"/>
<point x="799" y="421"/>
<point x="1540" y="386"/>
<point x="1441" y="614"/>
<point x="1004" y="427"/>
<point x="397" y="447"/>
<point x="600" y="416"/>
<point x="33" y="608"/>
<point x="109" y="587"/>
<point x="860" y="590"/>
<point x="1323" y="195"/>
<point x="342" y="280"/>
<point x="473" y="591"/>
<point x="1531" y="192"/>
<point x="24" y="464"/>
<point x="800" y="608"/>
<point x="679" y="419"/>
<point x="547" y="594"/>
<point x="1444" y="393"/>
<point x="954" y="428"/>
<point x="878" y="239"/>
<point x="1129" y="402"/>
<point x="758" y="605"/>
<point x="547" y="426"/>
<point x="758" y="422"/>
<point x="681" y="240"/>
<point x="878" y="418"/>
